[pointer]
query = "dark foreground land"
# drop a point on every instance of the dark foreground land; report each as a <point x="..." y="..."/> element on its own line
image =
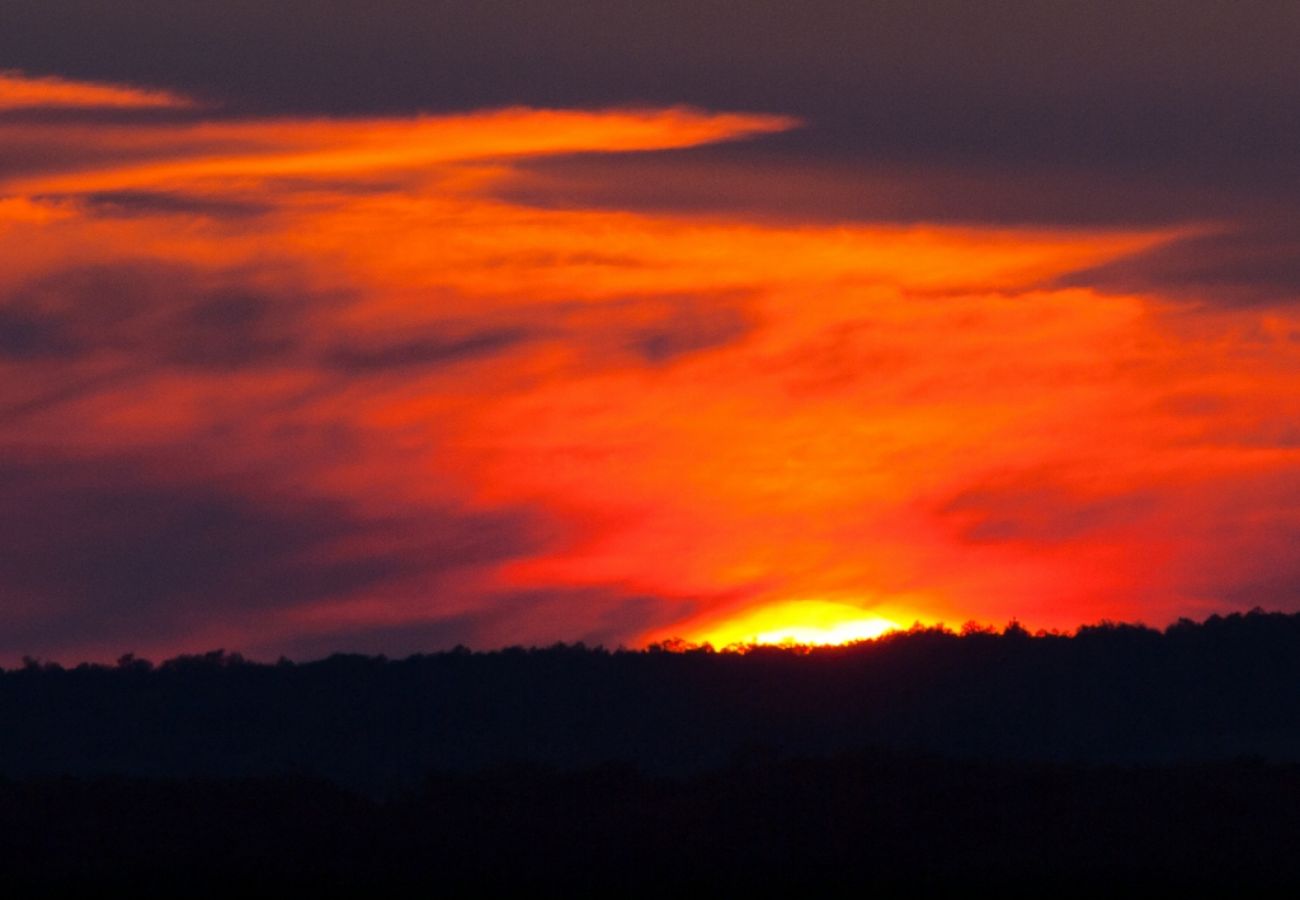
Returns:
<point x="866" y="821"/>
<point x="1120" y="756"/>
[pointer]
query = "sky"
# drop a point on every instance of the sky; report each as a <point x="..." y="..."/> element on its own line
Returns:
<point x="385" y="327"/>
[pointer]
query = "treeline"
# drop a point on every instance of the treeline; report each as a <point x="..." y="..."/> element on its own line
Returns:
<point x="1222" y="689"/>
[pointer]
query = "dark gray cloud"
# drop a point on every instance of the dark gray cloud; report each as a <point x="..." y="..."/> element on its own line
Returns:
<point x="97" y="549"/>
<point x="32" y="145"/>
<point x="692" y="325"/>
<point x="596" y="616"/>
<point x="650" y="329"/>
<point x="156" y="312"/>
<point x="129" y="204"/>
<point x="31" y="334"/>
<point x="778" y="179"/>
<point x="97" y="329"/>
<point x="161" y="314"/>
<point x="1248" y="267"/>
<point x="424" y="351"/>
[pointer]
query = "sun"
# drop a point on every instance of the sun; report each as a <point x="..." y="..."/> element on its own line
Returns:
<point x="801" y="623"/>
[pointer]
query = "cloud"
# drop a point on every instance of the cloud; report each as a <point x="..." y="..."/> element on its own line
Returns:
<point x="597" y="616"/>
<point x="152" y="313"/>
<point x="1174" y="543"/>
<point x="28" y="333"/>
<point x="165" y="203"/>
<point x="1147" y="92"/>
<point x="431" y="350"/>
<point x="352" y="311"/>
<point x="156" y="312"/>
<point x="1237" y="536"/>
<point x="106" y="550"/>
<point x="170" y="157"/>
<point x="791" y="178"/>
<point x="1027" y="511"/>
<point x="693" y="325"/>
<point x="1247" y="267"/>
<point x="19" y="91"/>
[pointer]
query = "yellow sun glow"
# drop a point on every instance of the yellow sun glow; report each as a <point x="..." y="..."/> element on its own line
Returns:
<point x="800" y="622"/>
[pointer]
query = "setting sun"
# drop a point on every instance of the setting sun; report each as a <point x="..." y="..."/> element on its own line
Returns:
<point x="801" y="623"/>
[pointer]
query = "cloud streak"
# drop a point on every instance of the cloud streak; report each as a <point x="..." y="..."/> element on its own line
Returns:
<point x="24" y="92"/>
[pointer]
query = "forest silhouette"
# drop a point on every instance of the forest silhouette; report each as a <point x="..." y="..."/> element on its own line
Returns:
<point x="926" y="756"/>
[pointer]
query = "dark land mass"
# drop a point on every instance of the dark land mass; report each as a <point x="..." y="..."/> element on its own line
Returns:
<point x="860" y="821"/>
<point x="1222" y="689"/>
<point x="1118" y="756"/>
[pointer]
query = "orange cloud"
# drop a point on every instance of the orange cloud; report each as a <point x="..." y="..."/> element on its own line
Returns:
<point x="19" y="91"/>
<point x="222" y="154"/>
<point x="535" y="421"/>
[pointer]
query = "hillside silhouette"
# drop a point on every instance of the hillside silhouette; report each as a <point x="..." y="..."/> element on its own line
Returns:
<point x="1116" y="757"/>
<point x="1225" y="688"/>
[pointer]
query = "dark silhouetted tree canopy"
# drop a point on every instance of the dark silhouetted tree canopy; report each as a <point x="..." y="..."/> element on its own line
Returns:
<point x="1111" y="693"/>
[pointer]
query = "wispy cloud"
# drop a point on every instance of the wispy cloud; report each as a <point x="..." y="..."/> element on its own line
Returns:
<point x="21" y="91"/>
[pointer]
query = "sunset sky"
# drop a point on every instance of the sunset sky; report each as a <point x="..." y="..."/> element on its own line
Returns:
<point x="390" y="326"/>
